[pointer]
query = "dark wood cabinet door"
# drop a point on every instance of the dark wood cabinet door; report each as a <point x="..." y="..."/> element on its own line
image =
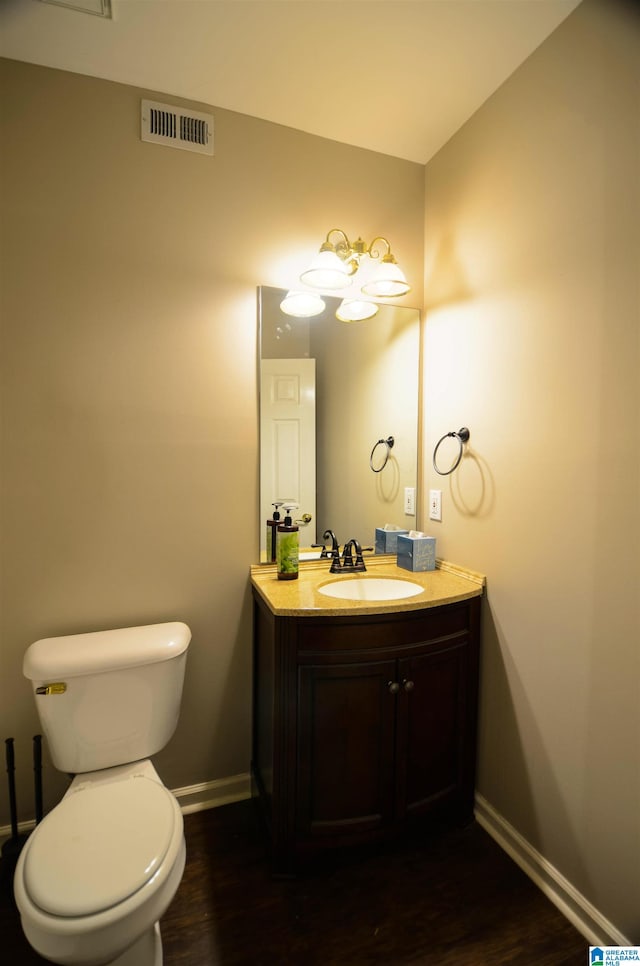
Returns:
<point x="433" y="729"/>
<point x="345" y="748"/>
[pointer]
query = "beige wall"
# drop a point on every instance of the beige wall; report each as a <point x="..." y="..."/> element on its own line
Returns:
<point x="532" y="268"/>
<point x="129" y="446"/>
<point x="129" y="435"/>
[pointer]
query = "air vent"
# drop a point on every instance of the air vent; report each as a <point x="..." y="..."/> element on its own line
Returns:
<point x="177" y="127"/>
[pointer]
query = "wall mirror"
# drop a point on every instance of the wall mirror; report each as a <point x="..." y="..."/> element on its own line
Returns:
<point x="329" y="391"/>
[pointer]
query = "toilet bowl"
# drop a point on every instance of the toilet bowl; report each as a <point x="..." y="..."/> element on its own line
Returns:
<point x="96" y="875"/>
<point x="101" y="869"/>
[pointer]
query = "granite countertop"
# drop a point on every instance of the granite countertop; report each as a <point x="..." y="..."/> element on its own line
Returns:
<point x="446" y="584"/>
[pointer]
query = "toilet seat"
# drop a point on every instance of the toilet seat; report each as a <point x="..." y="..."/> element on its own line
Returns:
<point x="99" y="846"/>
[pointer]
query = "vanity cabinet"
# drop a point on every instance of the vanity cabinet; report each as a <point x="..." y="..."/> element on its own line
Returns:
<point x="363" y="725"/>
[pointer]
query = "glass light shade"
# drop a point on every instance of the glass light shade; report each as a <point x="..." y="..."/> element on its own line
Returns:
<point x="327" y="270"/>
<point x="302" y="305"/>
<point x="356" y="310"/>
<point x="387" y="281"/>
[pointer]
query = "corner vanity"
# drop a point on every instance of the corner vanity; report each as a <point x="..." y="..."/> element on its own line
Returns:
<point x="364" y="710"/>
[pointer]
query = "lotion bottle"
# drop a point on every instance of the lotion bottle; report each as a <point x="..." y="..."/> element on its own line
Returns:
<point x="272" y="526"/>
<point x="287" y="548"/>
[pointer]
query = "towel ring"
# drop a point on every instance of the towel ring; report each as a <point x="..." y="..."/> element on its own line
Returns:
<point x="388" y="442"/>
<point x="462" y="436"/>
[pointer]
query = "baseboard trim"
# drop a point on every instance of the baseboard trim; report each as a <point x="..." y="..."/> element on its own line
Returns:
<point x="572" y="904"/>
<point x="24" y="828"/>
<point x="191" y="798"/>
<point x="222" y="791"/>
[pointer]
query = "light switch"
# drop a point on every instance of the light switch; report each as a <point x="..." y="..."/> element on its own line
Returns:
<point x="435" y="505"/>
<point x="410" y="501"/>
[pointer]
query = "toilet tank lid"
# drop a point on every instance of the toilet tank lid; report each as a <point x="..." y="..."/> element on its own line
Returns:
<point x="78" y="654"/>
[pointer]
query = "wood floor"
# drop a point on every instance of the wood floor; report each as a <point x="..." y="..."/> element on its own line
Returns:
<point x="454" y="899"/>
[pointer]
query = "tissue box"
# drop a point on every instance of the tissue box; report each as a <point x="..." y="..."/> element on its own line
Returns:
<point x="387" y="540"/>
<point x="417" y="553"/>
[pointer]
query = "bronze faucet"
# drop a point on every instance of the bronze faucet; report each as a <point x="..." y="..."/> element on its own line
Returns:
<point x="356" y="566"/>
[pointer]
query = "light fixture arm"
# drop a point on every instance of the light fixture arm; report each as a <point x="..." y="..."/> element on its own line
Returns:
<point x="341" y="248"/>
<point x="373" y="252"/>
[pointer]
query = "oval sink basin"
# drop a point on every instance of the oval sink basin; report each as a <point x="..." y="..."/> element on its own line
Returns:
<point x="370" y="588"/>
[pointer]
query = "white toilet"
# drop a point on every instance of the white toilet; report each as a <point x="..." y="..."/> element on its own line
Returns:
<point x="96" y="875"/>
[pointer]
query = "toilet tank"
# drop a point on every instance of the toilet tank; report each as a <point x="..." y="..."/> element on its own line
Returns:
<point x="109" y="697"/>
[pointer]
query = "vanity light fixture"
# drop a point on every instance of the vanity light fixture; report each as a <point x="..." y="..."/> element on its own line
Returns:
<point x="302" y="305"/>
<point x="339" y="260"/>
<point x="356" y="310"/>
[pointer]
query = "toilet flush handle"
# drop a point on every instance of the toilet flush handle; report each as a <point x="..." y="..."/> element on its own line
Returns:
<point x="58" y="687"/>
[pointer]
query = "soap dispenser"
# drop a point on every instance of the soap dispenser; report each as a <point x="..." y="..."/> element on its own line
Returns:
<point x="287" y="548"/>
<point x="272" y="526"/>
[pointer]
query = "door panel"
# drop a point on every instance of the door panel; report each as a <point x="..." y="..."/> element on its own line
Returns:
<point x="431" y="727"/>
<point x="288" y="440"/>
<point x="345" y="747"/>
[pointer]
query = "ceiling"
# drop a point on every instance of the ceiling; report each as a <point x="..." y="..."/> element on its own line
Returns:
<point x="395" y="76"/>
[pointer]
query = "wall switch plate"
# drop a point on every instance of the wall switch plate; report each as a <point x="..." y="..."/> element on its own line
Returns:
<point x="435" y="505"/>
<point x="410" y="501"/>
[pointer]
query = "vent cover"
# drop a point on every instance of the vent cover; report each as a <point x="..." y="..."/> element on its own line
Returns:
<point x="177" y="127"/>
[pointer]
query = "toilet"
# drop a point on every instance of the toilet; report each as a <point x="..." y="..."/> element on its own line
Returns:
<point x="96" y="875"/>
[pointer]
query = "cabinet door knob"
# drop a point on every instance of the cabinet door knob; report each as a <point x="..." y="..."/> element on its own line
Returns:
<point x="407" y="685"/>
<point x="393" y="686"/>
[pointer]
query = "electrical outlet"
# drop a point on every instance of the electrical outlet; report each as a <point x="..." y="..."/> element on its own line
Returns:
<point x="409" y="501"/>
<point x="435" y="505"/>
